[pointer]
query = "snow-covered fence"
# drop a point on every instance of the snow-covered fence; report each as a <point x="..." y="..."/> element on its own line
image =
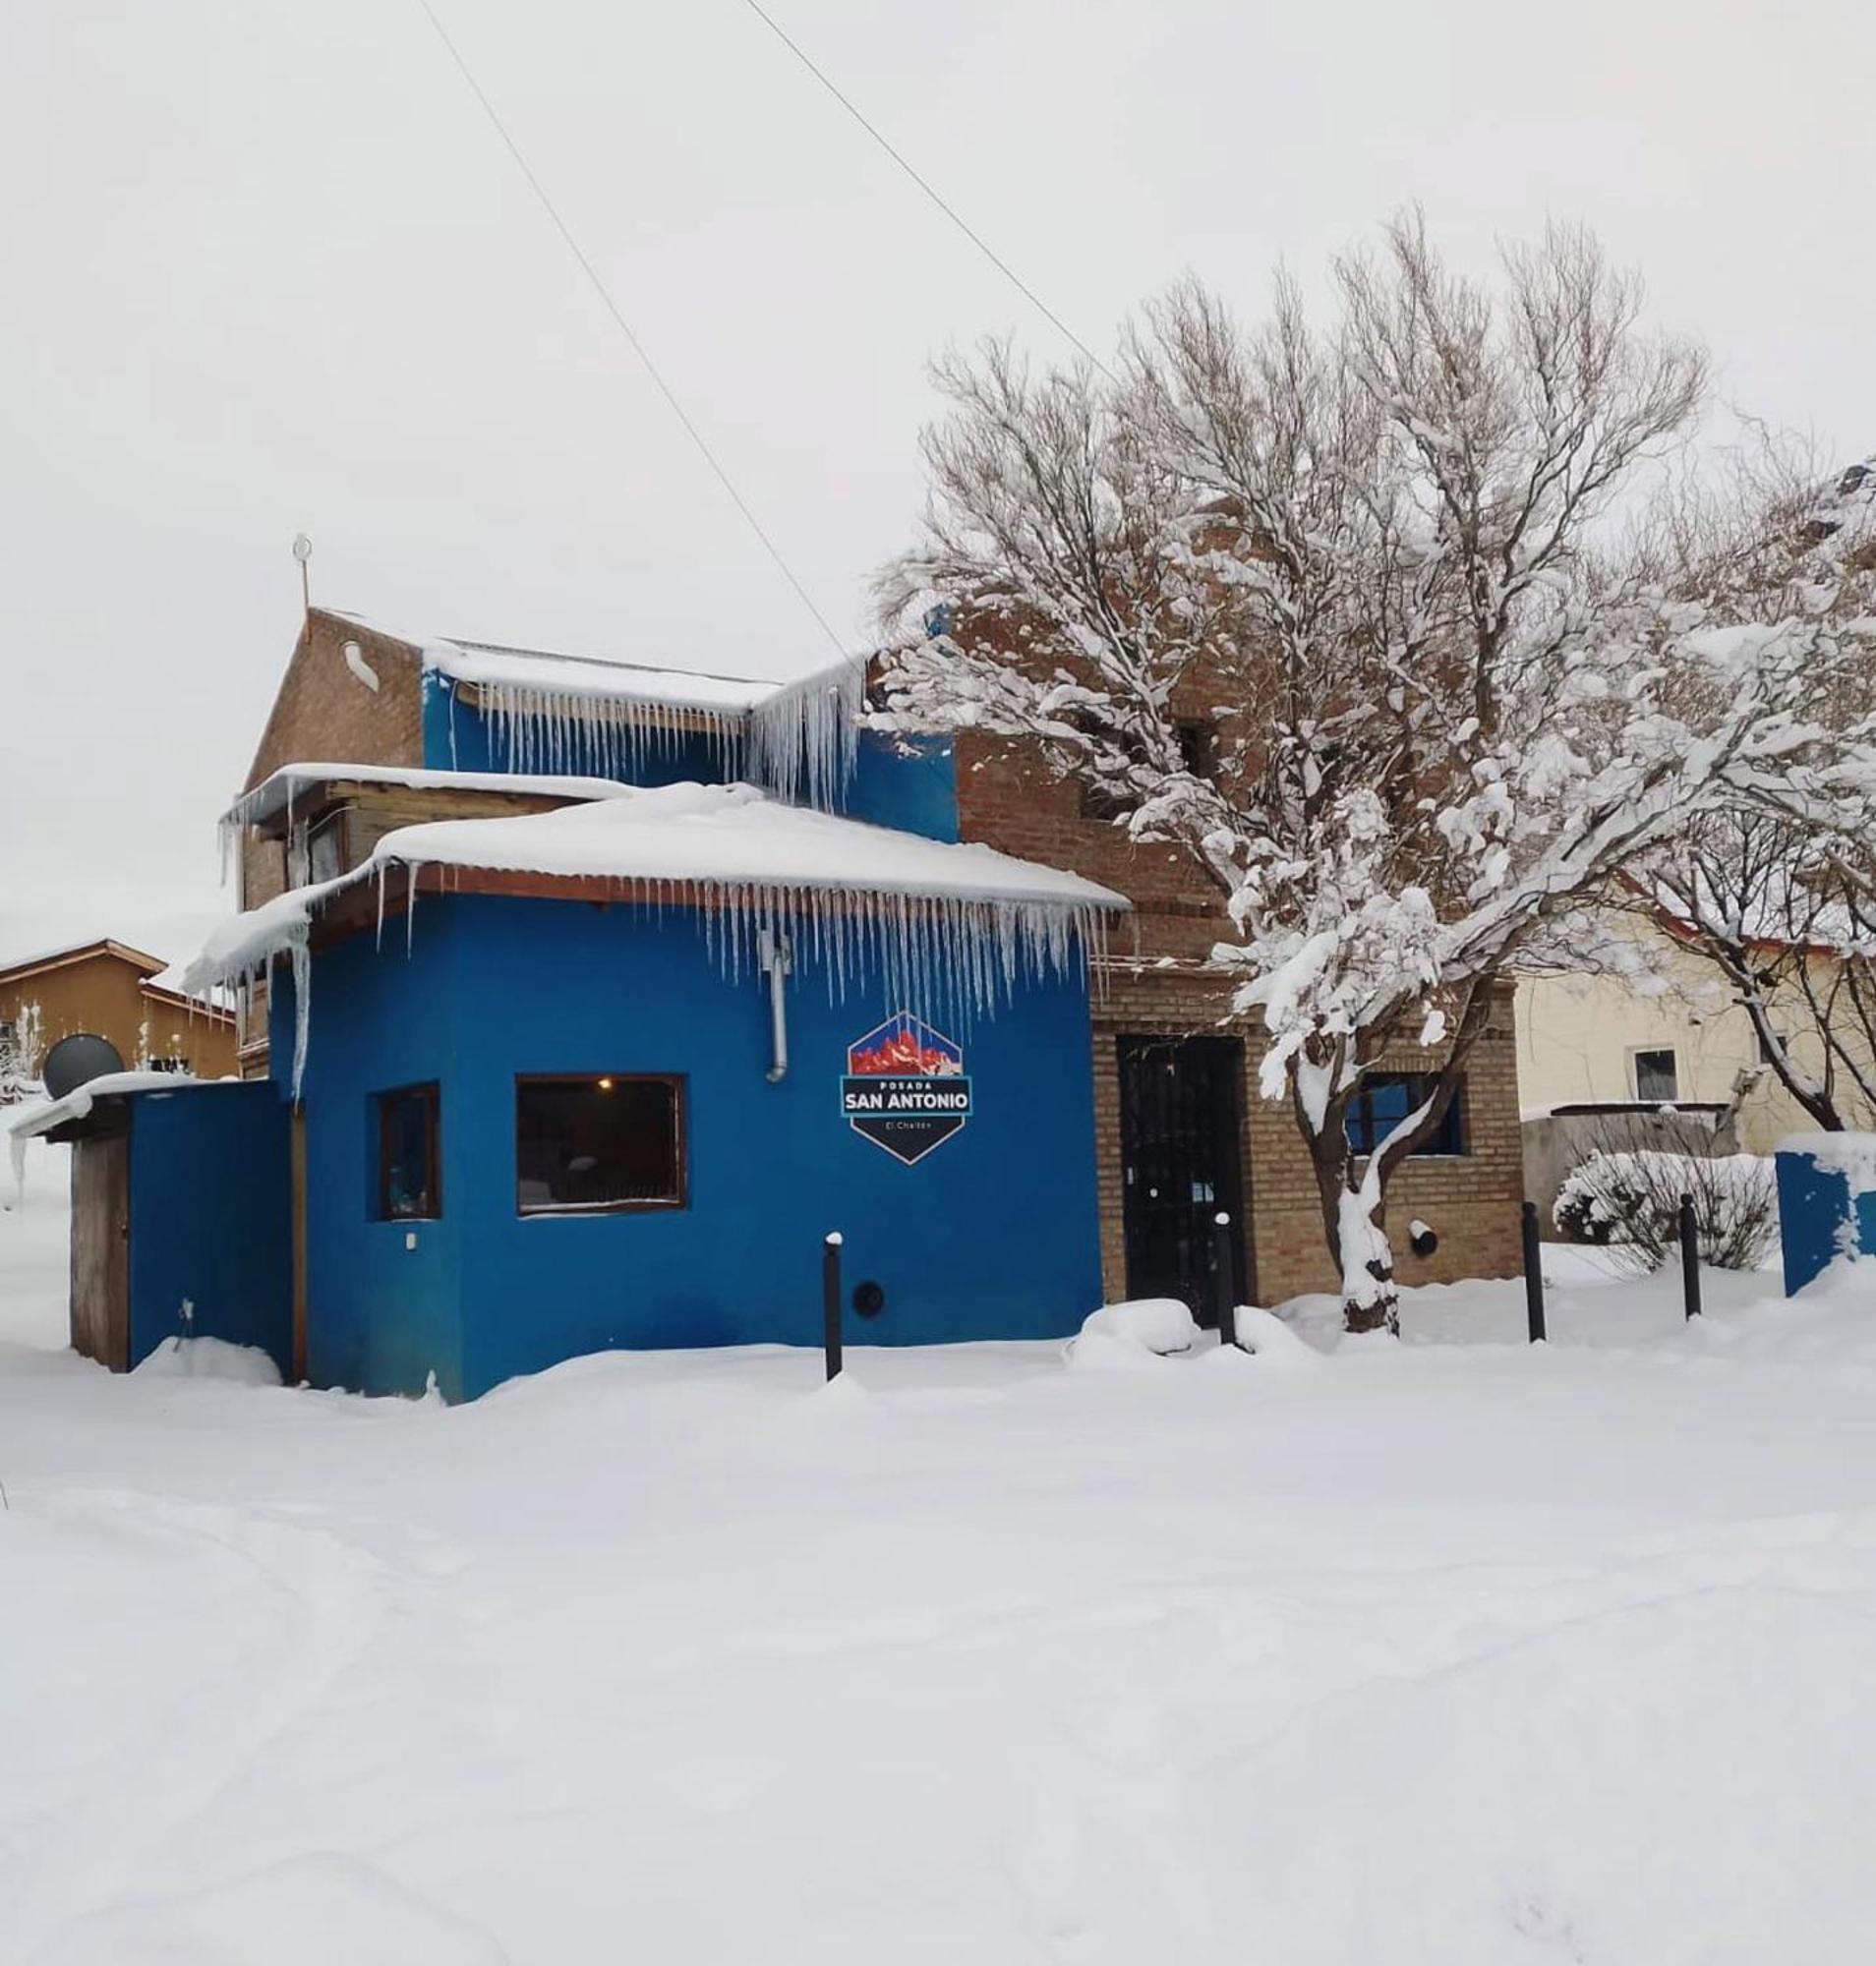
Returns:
<point x="1631" y="1203"/>
<point x="1827" y="1202"/>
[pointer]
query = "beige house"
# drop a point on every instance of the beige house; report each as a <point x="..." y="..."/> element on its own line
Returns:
<point x="108" y="989"/>
<point x="1672" y="1032"/>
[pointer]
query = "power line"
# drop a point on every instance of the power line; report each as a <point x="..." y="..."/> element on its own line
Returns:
<point x="624" y="326"/>
<point x="924" y="184"/>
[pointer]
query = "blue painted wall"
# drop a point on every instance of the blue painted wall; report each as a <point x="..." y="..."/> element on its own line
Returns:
<point x="912" y="786"/>
<point x="1819" y="1219"/>
<point x="993" y="1235"/>
<point x="459" y="738"/>
<point x="210" y="1218"/>
<point x="382" y="1314"/>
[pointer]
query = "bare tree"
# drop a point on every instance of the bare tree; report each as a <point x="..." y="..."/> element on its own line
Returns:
<point x="1781" y="907"/>
<point x="1447" y="713"/>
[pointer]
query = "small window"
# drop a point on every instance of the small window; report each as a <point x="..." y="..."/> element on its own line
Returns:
<point x="1199" y="747"/>
<point x="1097" y="802"/>
<point x="1655" y="1077"/>
<point x="168" y="1063"/>
<point x="326" y="848"/>
<point x="1387" y="1098"/>
<point x="409" y="1162"/>
<point x="1770" y="1043"/>
<point x="608" y="1142"/>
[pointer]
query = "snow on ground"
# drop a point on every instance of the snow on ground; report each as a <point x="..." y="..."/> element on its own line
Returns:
<point x="1452" y="1651"/>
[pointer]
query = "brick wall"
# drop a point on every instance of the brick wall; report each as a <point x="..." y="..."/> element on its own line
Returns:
<point x="324" y="714"/>
<point x="1153" y="984"/>
<point x="324" y="711"/>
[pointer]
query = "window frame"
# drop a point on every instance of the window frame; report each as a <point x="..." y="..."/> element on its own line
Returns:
<point x="680" y="1083"/>
<point x="1456" y="1117"/>
<point x="430" y="1090"/>
<point x="1635" y="1055"/>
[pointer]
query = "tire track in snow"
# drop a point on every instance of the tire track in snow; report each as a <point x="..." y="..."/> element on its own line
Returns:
<point x="325" y="1599"/>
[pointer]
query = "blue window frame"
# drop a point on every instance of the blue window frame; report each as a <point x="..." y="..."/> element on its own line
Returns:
<point x="1388" y="1097"/>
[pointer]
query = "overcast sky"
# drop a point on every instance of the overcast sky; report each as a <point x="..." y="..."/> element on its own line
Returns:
<point x="268" y="268"/>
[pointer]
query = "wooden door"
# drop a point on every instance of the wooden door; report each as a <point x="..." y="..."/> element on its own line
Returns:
<point x="101" y="1250"/>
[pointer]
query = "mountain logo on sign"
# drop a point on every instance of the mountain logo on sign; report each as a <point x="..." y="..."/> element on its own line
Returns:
<point x="905" y="1088"/>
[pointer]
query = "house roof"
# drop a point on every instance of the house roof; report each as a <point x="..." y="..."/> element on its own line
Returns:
<point x="83" y="952"/>
<point x="280" y="789"/>
<point x="499" y="666"/>
<point x="683" y="844"/>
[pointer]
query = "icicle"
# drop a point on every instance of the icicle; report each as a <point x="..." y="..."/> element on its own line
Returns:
<point x="301" y="959"/>
<point x="802" y="738"/>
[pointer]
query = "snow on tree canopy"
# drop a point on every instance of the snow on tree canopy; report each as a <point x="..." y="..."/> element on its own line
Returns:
<point x="562" y="714"/>
<point x="945" y="925"/>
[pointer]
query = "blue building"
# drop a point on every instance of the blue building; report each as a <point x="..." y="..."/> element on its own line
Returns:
<point x="589" y="999"/>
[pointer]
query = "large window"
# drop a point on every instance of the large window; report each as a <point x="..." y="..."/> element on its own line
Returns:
<point x="1656" y="1075"/>
<point x="409" y="1160"/>
<point x="613" y="1141"/>
<point x="1386" y="1100"/>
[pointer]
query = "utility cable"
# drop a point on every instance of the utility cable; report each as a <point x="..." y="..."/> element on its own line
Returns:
<point x="924" y="184"/>
<point x="624" y="326"/>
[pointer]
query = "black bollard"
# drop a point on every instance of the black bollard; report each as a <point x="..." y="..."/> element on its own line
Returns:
<point x="1533" y="1274"/>
<point x="1689" y="1257"/>
<point x="831" y="1304"/>
<point x="1224" y="1279"/>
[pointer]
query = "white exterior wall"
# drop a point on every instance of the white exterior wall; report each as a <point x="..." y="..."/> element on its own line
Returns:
<point x="1578" y="1036"/>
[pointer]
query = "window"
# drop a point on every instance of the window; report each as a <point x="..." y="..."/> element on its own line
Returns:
<point x="169" y="1062"/>
<point x="409" y="1163"/>
<point x="326" y="848"/>
<point x="1199" y="747"/>
<point x="1769" y="1046"/>
<point x="1656" y="1078"/>
<point x="614" y="1141"/>
<point x="1097" y="802"/>
<point x="1388" y="1097"/>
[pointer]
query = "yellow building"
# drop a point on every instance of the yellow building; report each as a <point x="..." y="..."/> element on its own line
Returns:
<point x="105" y="988"/>
<point x="1672" y="1033"/>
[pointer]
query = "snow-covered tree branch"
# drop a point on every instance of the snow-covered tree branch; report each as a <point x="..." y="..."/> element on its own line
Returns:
<point x="1452" y="705"/>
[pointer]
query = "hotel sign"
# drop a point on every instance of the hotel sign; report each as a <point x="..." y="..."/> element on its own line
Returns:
<point x="905" y="1088"/>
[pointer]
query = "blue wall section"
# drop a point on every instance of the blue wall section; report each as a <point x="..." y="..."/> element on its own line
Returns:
<point x="458" y="738"/>
<point x="382" y="1314"/>
<point x="1819" y="1220"/>
<point x="993" y="1235"/>
<point x="210" y="1219"/>
<point x="912" y="785"/>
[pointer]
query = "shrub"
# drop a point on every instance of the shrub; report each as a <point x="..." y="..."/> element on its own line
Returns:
<point x="1631" y="1203"/>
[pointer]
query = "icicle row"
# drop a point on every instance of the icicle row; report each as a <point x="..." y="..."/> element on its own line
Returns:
<point x="563" y="734"/>
<point x="946" y="957"/>
<point x="802" y="738"/>
<point x="799" y="743"/>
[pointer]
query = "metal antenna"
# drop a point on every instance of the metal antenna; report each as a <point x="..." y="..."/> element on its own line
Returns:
<point x="303" y="552"/>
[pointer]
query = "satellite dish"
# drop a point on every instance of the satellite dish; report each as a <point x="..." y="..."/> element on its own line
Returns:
<point x="77" y="1061"/>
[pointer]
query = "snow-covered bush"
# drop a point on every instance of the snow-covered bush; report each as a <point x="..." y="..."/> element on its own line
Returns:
<point x="1631" y="1202"/>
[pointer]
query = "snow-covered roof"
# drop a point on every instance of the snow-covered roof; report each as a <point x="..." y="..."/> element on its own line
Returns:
<point x="490" y="665"/>
<point x="684" y="838"/>
<point x="558" y="713"/>
<point x="693" y="835"/>
<point x="282" y="788"/>
<point x="955" y="917"/>
<point x="76" y="952"/>
<point x="42" y="1116"/>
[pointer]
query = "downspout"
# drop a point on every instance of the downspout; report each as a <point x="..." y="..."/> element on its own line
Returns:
<point x="776" y="959"/>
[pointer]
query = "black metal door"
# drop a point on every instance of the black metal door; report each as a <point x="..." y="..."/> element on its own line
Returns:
<point x="1180" y="1165"/>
